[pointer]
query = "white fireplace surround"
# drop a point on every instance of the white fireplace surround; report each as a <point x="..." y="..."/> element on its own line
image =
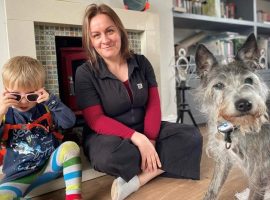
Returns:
<point x="21" y="16"/>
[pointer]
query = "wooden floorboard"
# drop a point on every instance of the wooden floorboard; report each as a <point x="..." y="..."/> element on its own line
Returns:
<point x="163" y="188"/>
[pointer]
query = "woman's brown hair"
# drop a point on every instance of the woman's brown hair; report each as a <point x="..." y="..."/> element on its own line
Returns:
<point x="93" y="10"/>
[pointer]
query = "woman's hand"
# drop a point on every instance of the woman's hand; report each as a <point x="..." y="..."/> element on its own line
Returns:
<point x="150" y="159"/>
<point x="43" y="95"/>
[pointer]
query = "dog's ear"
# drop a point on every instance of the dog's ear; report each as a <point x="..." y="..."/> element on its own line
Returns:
<point x="205" y="60"/>
<point x="249" y="50"/>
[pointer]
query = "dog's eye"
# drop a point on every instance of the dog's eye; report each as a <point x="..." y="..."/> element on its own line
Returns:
<point x="249" y="81"/>
<point x="219" y="86"/>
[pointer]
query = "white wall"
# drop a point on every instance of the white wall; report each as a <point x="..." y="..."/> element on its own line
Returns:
<point x="167" y="87"/>
<point x="4" y="51"/>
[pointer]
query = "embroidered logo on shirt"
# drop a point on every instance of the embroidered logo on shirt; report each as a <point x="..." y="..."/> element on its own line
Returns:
<point x="140" y="86"/>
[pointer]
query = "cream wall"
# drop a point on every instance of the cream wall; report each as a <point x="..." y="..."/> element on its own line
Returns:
<point x="167" y="86"/>
<point x="157" y="39"/>
<point x="4" y="52"/>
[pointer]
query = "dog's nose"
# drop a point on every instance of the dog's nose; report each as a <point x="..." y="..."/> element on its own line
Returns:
<point x="243" y="105"/>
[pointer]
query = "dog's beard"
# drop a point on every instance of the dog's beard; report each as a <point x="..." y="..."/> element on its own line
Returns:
<point x="248" y="123"/>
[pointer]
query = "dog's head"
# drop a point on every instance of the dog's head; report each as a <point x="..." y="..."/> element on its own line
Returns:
<point x="233" y="92"/>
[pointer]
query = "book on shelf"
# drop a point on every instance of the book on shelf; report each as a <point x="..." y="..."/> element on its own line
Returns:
<point x="263" y="16"/>
<point x="200" y="7"/>
<point x="188" y="6"/>
<point x="237" y="43"/>
<point x="178" y="3"/>
<point x="211" y="8"/>
<point x="224" y="46"/>
<point x="180" y="9"/>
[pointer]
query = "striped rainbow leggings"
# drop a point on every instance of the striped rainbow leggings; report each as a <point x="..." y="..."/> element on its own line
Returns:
<point x="66" y="159"/>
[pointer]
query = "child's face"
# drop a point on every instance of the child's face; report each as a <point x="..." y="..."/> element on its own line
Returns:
<point x="26" y="98"/>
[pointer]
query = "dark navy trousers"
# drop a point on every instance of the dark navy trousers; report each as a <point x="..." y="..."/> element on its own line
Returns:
<point x="179" y="147"/>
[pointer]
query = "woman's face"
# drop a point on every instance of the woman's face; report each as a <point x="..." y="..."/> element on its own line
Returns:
<point x="105" y="37"/>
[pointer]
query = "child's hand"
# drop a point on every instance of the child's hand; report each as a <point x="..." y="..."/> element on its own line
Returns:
<point x="43" y="95"/>
<point x="6" y="100"/>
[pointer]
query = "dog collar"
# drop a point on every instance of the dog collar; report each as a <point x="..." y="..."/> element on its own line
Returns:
<point x="226" y="128"/>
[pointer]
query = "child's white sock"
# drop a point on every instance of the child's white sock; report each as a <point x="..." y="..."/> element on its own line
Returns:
<point x="121" y="189"/>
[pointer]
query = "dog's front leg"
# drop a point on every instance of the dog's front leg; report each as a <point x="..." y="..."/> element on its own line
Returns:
<point x="257" y="186"/>
<point x="253" y="195"/>
<point x="221" y="171"/>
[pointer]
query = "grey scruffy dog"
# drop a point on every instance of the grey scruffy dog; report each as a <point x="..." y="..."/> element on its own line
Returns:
<point x="233" y="96"/>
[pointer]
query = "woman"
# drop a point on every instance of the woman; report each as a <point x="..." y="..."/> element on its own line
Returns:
<point x="117" y="93"/>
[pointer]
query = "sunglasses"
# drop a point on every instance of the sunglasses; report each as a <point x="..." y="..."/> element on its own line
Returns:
<point x="31" y="97"/>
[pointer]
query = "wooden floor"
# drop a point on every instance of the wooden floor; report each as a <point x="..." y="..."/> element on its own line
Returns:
<point x="162" y="188"/>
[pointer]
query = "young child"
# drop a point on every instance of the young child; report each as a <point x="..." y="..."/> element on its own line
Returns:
<point x="29" y="115"/>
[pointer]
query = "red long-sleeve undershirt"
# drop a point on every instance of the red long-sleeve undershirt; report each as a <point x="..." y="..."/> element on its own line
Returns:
<point x="100" y="123"/>
<point x="152" y="117"/>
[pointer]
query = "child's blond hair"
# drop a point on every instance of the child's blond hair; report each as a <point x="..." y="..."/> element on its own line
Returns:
<point x="23" y="72"/>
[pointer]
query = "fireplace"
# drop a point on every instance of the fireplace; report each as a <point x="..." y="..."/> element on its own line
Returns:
<point x="70" y="55"/>
<point x="71" y="58"/>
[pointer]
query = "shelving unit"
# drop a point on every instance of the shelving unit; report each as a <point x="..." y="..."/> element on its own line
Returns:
<point x="245" y="22"/>
<point x="209" y="23"/>
<point x="263" y="28"/>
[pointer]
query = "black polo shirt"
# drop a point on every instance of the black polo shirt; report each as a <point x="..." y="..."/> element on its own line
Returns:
<point x="102" y="87"/>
